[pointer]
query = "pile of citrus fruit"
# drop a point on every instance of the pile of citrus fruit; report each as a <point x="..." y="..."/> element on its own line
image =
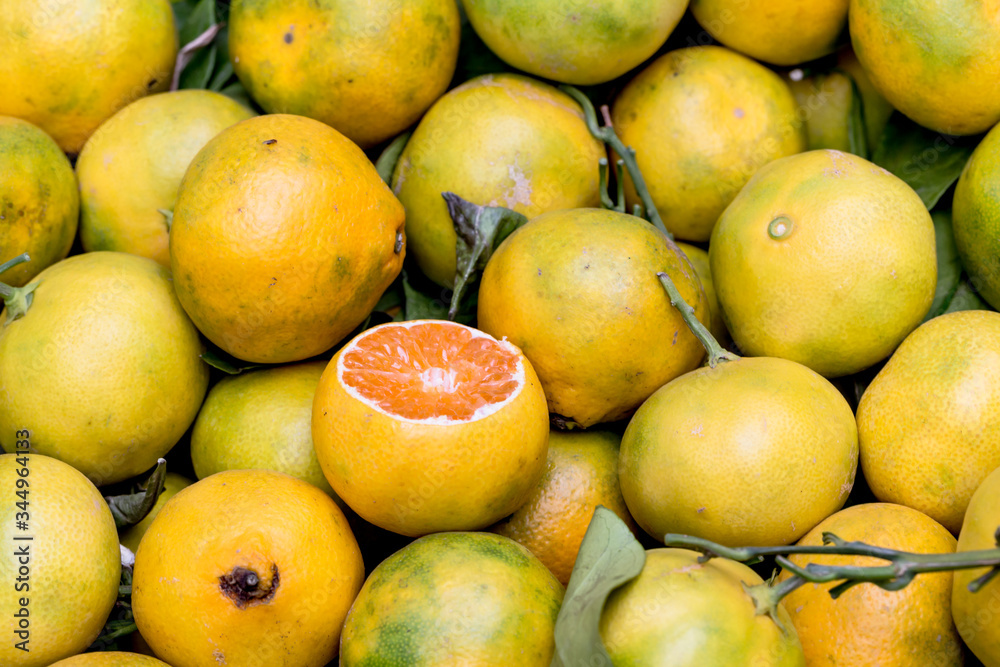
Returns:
<point x="421" y="332"/>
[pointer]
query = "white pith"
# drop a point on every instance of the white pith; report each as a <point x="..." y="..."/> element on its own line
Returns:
<point x="442" y="377"/>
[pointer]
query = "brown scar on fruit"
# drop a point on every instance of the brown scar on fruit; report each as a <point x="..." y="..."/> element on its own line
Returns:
<point x="244" y="587"/>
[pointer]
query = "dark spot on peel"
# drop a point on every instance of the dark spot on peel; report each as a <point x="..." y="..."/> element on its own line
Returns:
<point x="289" y="38"/>
<point x="270" y="142"/>
<point x="152" y="82"/>
<point x="244" y="587"/>
<point x="674" y="341"/>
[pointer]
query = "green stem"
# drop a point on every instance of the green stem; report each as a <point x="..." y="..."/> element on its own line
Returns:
<point x="16" y="299"/>
<point x="716" y="352"/>
<point x="602" y="185"/>
<point x="903" y="566"/>
<point x="607" y="135"/>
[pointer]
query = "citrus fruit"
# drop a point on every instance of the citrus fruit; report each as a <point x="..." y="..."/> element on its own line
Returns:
<point x="876" y="109"/>
<point x="496" y="140"/>
<point x="260" y="419"/>
<point x="824" y="100"/>
<point x="866" y="625"/>
<point x="172" y="483"/>
<point x="39" y="203"/>
<point x="684" y="613"/>
<point x="610" y="337"/>
<point x="977" y="615"/>
<point x="976" y="217"/>
<point x="932" y="455"/>
<point x="702" y="268"/>
<point x="574" y="42"/>
<point x="703" y="120"/>
<point x="581" y="473"/>
<point x="62" y="563"/>
<point x="68" y="71"/>
<point x="369" y="69"/>
<point x="426" y="426"/>
<point x="937" y="61"/>
<point x="104" y="368"/>
<point x="455" y="598"/>
<point x="110" y="659"/>
<point x="284" y="237"/>
<point x="754" y="451"/>
<point x="262" y="568"/>
<point x="149" y="145"/>
<point x="825" y="259"/>
<point x="787" y="32"/>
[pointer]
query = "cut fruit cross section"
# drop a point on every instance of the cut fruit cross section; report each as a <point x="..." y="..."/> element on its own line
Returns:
<point x="432" y="372"/>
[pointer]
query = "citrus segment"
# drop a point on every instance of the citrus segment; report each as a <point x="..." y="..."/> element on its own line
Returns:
<point x="428" y="372"/>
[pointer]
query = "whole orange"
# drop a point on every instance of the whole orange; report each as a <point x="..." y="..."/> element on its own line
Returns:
<point x="246" y="567"/>
<point x="284" y="238"/>
<point x="580" y="474"/>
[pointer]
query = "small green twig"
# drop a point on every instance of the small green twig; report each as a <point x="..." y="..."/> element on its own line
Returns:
<point x="607" y="135"/>
<point x="602" y="173"/>
<point x="716" y="352"/>
<point x="900" y="570"/>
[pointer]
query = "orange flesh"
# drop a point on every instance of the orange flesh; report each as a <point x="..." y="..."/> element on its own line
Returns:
<point x="431" y="371"/>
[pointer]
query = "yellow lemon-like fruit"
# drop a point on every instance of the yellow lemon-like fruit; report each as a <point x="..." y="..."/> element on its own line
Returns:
<point x="62" y="560"/>
<point x="369" y="68"/>
<point x="574" y="42"/>
<point x="104" y="368"/>
<point x="68" y="71"/>
<point x="702" y="121"/>
<point x="684" y="613"/>
<point x="754" y="451"/>
<point x="937" y="61"/>
<point x="39" y="203"/>
<point x="976" y="217"/>
<point x="928" y="421"/>
<point x="977" y="615"/>
<point x="825" y="259"/>
<point x="496" y="140"/>
<point x="610" y="336"/>
<point x="455" y="599"/>
<point x="260" y="419"/>
<point x="148" y="145"/>
<point x="781" y="32"/>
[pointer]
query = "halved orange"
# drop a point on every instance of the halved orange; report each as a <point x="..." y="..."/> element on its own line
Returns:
<point x="429" y="425"/>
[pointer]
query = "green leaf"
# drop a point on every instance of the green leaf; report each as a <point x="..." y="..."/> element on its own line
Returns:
<point x="421" y="306"/>
<point x="609" y="557"/>
<point x="217" y="358"/>
<point x="929" y="162"/>
<point x="857" y="133"/>
<point x="386" y="163"/>
<point x="222" y="76"/>
<point x="237" y="92"/>
<point x="966" y="298"/>
<point x="131" y="508"/>
<point x="480" y="229"/>
<point x="200" y="19"/>
<point x="198" y="72"/>
<point x="949" y="267"/>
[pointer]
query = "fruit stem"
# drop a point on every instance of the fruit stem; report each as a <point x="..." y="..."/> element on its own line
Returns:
<point x="607" y="135"/>
<point x="902" y="568"/>
<point x="716" y="352"/>
<point x="16" y="299"/>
